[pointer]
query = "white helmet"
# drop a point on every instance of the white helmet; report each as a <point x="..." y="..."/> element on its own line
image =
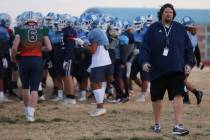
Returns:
<point x="149" y="20"/>
<point x="30" y="16"/>
<point x="115" y="28"/>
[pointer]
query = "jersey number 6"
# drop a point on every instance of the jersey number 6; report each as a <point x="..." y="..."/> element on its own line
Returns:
<point x="32" y="35"/>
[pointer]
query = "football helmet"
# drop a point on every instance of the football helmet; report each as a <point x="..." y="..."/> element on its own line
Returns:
<point x="115" y="28"/>
<point x="49" y="19"/>
<point x="5" y="19"/>
<point x="31" y="16"/>
<point x="149" y="20"/>
<point x="89" y="21"/>
<point x="188" y="22"/>
<point x="138" y="23"/>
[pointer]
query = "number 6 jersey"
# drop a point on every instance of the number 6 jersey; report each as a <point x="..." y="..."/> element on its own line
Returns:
<point x="32" y="38"/>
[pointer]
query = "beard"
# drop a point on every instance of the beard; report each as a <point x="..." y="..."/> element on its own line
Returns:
<point x="168" y="20"/>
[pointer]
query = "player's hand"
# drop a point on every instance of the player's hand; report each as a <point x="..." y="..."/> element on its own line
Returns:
<point x="136" y="51"/>
<point x="79" y="41"/>
<point x="49" y="65"/>
<point x="66" y="64"/>
<point x="4" y="63"/>
<point x="187" y="69"/>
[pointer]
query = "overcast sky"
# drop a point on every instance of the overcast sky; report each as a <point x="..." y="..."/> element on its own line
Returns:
<point x="76" y="7"/>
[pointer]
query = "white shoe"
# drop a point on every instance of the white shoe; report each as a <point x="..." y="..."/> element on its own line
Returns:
<point x="97" y="112"/>
<point x="30" y="118"/>
<point x="81" y="99"/>
<point x="141" y="98"/>
<point x="42" y="98"/>
<point x="70" y="101"/>
<point x="4" y="99"/>
<point x="30" y="114"/>
<point x="116" y="101"/>
<point x="56" y="99"/>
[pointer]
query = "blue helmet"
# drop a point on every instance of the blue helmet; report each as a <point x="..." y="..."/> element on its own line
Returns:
<point x="105" y="21"/>
<point x="89" y="21"/>
<point x="138" y="22"/>
<point x="126" y="25"/>
<point x="49" y="19"/>
<point x="188" y="22"/>
<point x="115" y="28"/>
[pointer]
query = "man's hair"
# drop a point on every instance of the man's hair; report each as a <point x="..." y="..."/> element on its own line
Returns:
<point x="167" y="5"/>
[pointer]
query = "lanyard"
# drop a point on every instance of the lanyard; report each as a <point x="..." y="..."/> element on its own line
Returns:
<point x="167" y="34"/>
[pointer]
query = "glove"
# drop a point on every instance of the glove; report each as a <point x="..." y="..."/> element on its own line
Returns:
<point x="136" y="51"/>
<point x="187" y="69"/>
<point x="66" y="64"/>
<point x="4" y="63"/>
<point x="79" y="41"/>
<point x="49" y="65"/>
<point x="146" y="67"/>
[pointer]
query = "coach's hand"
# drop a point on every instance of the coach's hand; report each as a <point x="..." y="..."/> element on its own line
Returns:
<point x="146" y="67"/>
<point x="4" y="63"/>
<point x="187" y="69"/>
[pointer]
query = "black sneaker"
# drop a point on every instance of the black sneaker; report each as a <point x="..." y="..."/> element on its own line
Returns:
<point x="156" y="128"/>
<point x="201" y="66"/>
<point x="199" y="96"/>
<point x="186" y="99"/>
<point x="180" y="130"/>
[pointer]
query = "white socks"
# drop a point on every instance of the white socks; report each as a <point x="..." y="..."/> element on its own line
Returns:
<point x="82" y="93"/>
<point x="60" y="94"/>
<point x="40" y="87"/>
<point x="1" y="94"/>
<point x="30" y="111"/>
<point x="99" y="95"/>
<point x="103" y="86"/>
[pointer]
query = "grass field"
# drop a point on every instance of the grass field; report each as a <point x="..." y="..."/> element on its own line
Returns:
<point x="129" y="121"/>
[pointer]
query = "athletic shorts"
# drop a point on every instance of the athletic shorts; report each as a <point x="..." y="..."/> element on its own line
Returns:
<point x="30" y="70"/>
<point x="99" y="74"/>
<point x="173" y="83"/>
<point x="79" y="70"/>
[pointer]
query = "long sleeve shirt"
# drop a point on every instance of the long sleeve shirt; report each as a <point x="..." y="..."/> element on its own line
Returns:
<point x="180" y="49"/>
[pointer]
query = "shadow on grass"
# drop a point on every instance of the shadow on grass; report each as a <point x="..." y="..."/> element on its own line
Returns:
<point x="121" y="138"/>
<point x="8" y="120"/>
<point x="21" y="119"/>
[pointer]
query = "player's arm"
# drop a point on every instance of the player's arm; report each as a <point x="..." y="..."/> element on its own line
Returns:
<point x="15" y="46"/>
<point x="47" y="43"/>
<point x="92" y="48"/>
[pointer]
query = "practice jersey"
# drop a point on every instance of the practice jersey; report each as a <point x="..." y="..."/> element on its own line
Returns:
<point x="4" y="41"/>
<point x="32" y="39"/>
<point x="193" y="39"/>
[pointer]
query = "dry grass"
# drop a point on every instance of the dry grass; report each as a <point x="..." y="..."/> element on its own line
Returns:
<point x="130" y="121"/>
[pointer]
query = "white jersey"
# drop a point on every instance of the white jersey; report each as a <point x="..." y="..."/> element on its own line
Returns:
<point x="100" y="57"/>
